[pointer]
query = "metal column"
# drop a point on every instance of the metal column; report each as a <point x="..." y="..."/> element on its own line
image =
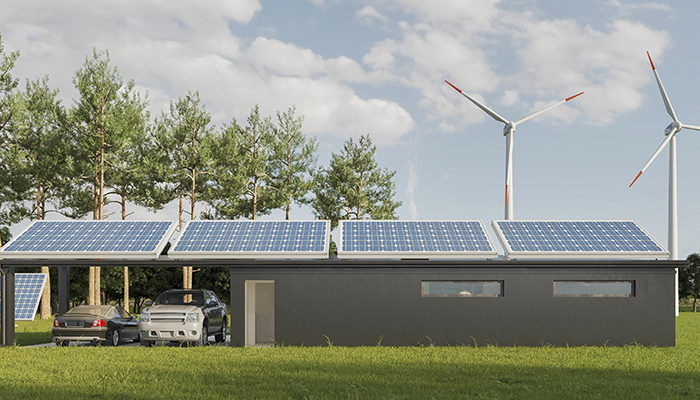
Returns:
<point x="7" y="306"/>
<point x="63" y="289"/>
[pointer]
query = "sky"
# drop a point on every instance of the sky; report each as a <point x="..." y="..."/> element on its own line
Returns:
<point x="353" y="67"/>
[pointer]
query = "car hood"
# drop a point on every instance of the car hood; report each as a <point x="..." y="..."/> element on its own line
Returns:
<point x="170" y="308"/>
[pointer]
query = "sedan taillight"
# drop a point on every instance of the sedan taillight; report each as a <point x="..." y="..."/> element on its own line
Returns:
<point x="55" y="322"/>
<point x="98" y="322"/>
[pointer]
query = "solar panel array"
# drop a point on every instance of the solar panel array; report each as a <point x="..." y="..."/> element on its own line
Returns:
<point x="414" y="239"/>
<point x="577" y="239"/>
<point x="253" y="239"/>
<point x="28" y="289"/>
<point x="90" y="239"/>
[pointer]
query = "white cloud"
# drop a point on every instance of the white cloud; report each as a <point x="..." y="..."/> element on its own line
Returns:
<point x="510" y="97"/>
<point x="169" y="48"/>
<point x="556" y="58"/>
<point x="562" y="58"/>
<point x="283" y="58"/>
<point x="627" y="8"/>
<point x="369" y="13"/>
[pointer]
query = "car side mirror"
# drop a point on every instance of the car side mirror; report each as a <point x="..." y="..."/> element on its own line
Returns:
<point x="148" y="303"/>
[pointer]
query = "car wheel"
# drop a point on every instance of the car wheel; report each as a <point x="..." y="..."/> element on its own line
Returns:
<point x="63" y="343"/>
<point x="137" y="338"/>
<point x="204" y="339"/>
<point x="147" y="343"/>
<point x="114" y="338"/>
<point x="221" y="336"/>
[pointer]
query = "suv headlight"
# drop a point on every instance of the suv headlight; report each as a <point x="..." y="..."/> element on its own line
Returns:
<point x="145" y="318"/>
<point x="192" y="317"/>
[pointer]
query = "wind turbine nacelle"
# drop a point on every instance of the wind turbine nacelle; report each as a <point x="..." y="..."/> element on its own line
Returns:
<point x="509" y="128"/>
<point x="673" y="127"/>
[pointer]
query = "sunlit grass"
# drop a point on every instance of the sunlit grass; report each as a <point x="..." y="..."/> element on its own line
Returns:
<point x="629" y="372"/>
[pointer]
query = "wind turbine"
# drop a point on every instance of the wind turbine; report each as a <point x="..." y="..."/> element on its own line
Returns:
<point x="508" y="132"/>
<point x="670" y="133"/>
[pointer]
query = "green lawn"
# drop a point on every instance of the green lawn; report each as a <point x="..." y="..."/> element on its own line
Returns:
<point x="630" y="372"/>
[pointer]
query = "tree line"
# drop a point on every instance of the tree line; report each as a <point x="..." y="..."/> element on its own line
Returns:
<point x="106" y="149"/>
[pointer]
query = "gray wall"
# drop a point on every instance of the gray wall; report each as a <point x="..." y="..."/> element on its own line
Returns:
<point x="359" y="304"/>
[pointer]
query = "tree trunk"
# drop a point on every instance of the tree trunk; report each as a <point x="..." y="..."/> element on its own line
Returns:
<point x="695" y="304"/>
<point x="91" y="289"/>
<point x="46" y="296"/>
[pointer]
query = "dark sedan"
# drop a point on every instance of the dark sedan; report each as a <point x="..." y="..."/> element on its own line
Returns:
<point x="108" y="324"/>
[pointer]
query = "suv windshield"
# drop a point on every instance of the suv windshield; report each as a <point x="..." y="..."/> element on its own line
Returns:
<point x="181" y="298"/>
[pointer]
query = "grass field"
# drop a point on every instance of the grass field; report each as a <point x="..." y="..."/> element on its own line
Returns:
<point x="630" y="372"/>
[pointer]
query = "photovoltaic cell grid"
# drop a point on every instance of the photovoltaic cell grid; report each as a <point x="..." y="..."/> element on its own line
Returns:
<point x="89" y="239"/>
<point x="577" y="239"/>
<point x="414" y="239"/>
<point x="253" y="239"/>
<point x="28" y="289"/>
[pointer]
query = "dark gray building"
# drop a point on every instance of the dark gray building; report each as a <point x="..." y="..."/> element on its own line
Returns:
<point x="400" y="302"/>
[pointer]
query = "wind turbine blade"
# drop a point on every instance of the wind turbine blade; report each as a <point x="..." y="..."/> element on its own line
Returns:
<point x="533" y="115"/>
<point x="693" y="127"/>
<point x="656" y="153"/>
<point x="667" y="102"/>
<point x="485" y="109"/>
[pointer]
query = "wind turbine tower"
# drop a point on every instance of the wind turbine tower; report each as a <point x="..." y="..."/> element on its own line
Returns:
<point x="509" y="133"/>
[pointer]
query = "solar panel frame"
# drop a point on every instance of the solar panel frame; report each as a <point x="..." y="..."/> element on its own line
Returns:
<point x="179" y="250"/>
<point x="28" y="290"/>
<point x="510" y="252"/>
<point x="17" y="247"/>
<point x="415" y="254"/>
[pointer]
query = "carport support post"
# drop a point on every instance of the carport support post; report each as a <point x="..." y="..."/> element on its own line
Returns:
<point x="63" y="289"/>
<point x="7" y="291"/>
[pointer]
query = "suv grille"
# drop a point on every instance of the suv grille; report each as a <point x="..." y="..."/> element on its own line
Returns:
<point x="167" y="317"/>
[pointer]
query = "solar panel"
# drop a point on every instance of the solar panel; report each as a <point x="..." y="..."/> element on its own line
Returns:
<point x="414" y="239"/>
<point x="28" y="289"/>
<point x="90" y="239"/>
<point x="577" y="239"/>
<point x="252" y="239"/>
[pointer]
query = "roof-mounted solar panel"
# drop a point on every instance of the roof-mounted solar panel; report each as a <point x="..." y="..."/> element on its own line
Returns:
<point x="253" y="239"/>
<point x="577" y="239"/>
<point x="28" y="290"/>
<point x="414" y="239"/>
<point x="90" y="240"/>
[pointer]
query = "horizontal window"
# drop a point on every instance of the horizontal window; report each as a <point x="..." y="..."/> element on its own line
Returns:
<point x="462" y="289"/>
<point x="593" y="289"/>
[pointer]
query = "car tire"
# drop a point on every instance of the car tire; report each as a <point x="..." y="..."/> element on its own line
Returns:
<point x="137" y="338"/>
<point x="204" y="339"/>
<point x="115" y="338"/>
<point x="63" y="343"/>
<point x="148" y="343"/>
<point x="221" y="336"/>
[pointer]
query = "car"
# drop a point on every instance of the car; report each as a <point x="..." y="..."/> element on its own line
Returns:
<point x="97" y="324"/>
<point x="184" y="315"/>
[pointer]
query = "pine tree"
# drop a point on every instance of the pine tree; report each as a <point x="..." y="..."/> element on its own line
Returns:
<point x="354" y="186"/>
<point x="293" y="161"/>
<point x="103" y="122"/>
<point x="185" y="136"/>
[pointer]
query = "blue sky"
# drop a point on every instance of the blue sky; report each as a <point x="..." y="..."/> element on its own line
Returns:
<point x="357" y="67"/>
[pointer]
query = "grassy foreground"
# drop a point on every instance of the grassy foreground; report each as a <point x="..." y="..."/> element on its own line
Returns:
<point x="630" y="372"/>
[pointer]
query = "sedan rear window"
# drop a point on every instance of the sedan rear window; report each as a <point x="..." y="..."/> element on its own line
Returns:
<point x="95" y="310"/>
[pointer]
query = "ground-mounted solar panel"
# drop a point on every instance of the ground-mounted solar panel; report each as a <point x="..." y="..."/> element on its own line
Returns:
<point x="253" y="240"/>
<point x="28" y="289"/>
<point x="90" y="240"/>
<point x="414" y="239"/>
<point x="577" y="239"/>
